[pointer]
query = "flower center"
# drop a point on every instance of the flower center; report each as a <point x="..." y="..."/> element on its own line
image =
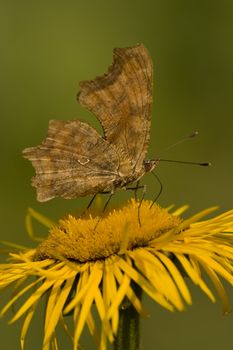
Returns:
<point x="90" y="239"/>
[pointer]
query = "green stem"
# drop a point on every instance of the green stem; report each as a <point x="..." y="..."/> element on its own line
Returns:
<point x="128" y="334"/>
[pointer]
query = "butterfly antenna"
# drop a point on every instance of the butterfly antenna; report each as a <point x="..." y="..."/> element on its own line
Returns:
<point x="186" y="138"/>
<point x="185" y="162"/>
<point x="172" y="161"/>
<point x="160" y="190"/>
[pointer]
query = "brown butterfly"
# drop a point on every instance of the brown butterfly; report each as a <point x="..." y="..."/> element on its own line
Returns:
<point x="75" y="160"/>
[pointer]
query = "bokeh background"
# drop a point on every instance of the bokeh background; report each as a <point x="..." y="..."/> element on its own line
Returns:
<point x="47" y="47"/>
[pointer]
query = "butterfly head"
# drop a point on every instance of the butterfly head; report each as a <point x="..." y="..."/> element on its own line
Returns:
<point x="150" y="164"/>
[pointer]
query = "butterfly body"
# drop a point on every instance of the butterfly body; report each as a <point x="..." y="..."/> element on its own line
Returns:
<point x="75" y="160"/>
<point x="124" y="181"/>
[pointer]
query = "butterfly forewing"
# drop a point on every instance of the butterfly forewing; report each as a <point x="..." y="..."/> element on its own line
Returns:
<point x="121" y="100"/>
<point x="73" y="161"/>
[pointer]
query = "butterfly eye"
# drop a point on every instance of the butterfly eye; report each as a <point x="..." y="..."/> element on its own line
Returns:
<point x="149" y="165"/>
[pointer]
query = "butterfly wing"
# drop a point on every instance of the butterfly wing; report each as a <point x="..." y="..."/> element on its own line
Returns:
<point x="73" y="161"/>
<point x="121" y="100"/>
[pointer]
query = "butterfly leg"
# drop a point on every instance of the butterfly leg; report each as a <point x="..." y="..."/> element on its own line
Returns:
<point x="107" y="202"/>
<point x="136" y="189"/>
<point x="160" y="190"/>
<point x="140" y="204"/>
<point x="105" y="207"/>
<point x="89" y="205"/>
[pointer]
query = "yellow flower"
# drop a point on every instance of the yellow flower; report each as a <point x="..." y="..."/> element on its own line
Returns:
<point x="102" y="263"/>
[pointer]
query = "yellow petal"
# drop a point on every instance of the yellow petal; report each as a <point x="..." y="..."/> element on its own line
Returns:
<point x="219" y="287"/>
<point x="26" y="324"/>
<point x="32" y="299"/>
<point x="17" y="296"/>
<point x="176" y="275"/>
<point x="144" y="284"/>
<point x="86" y="305"/>
<point x="192" y="273"/>
<point x="62" y="295"/>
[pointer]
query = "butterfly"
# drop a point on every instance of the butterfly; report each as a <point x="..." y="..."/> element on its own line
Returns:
<point x="75" y="160"/>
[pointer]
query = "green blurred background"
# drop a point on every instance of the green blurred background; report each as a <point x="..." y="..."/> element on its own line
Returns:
<point x="47" y="47"/>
